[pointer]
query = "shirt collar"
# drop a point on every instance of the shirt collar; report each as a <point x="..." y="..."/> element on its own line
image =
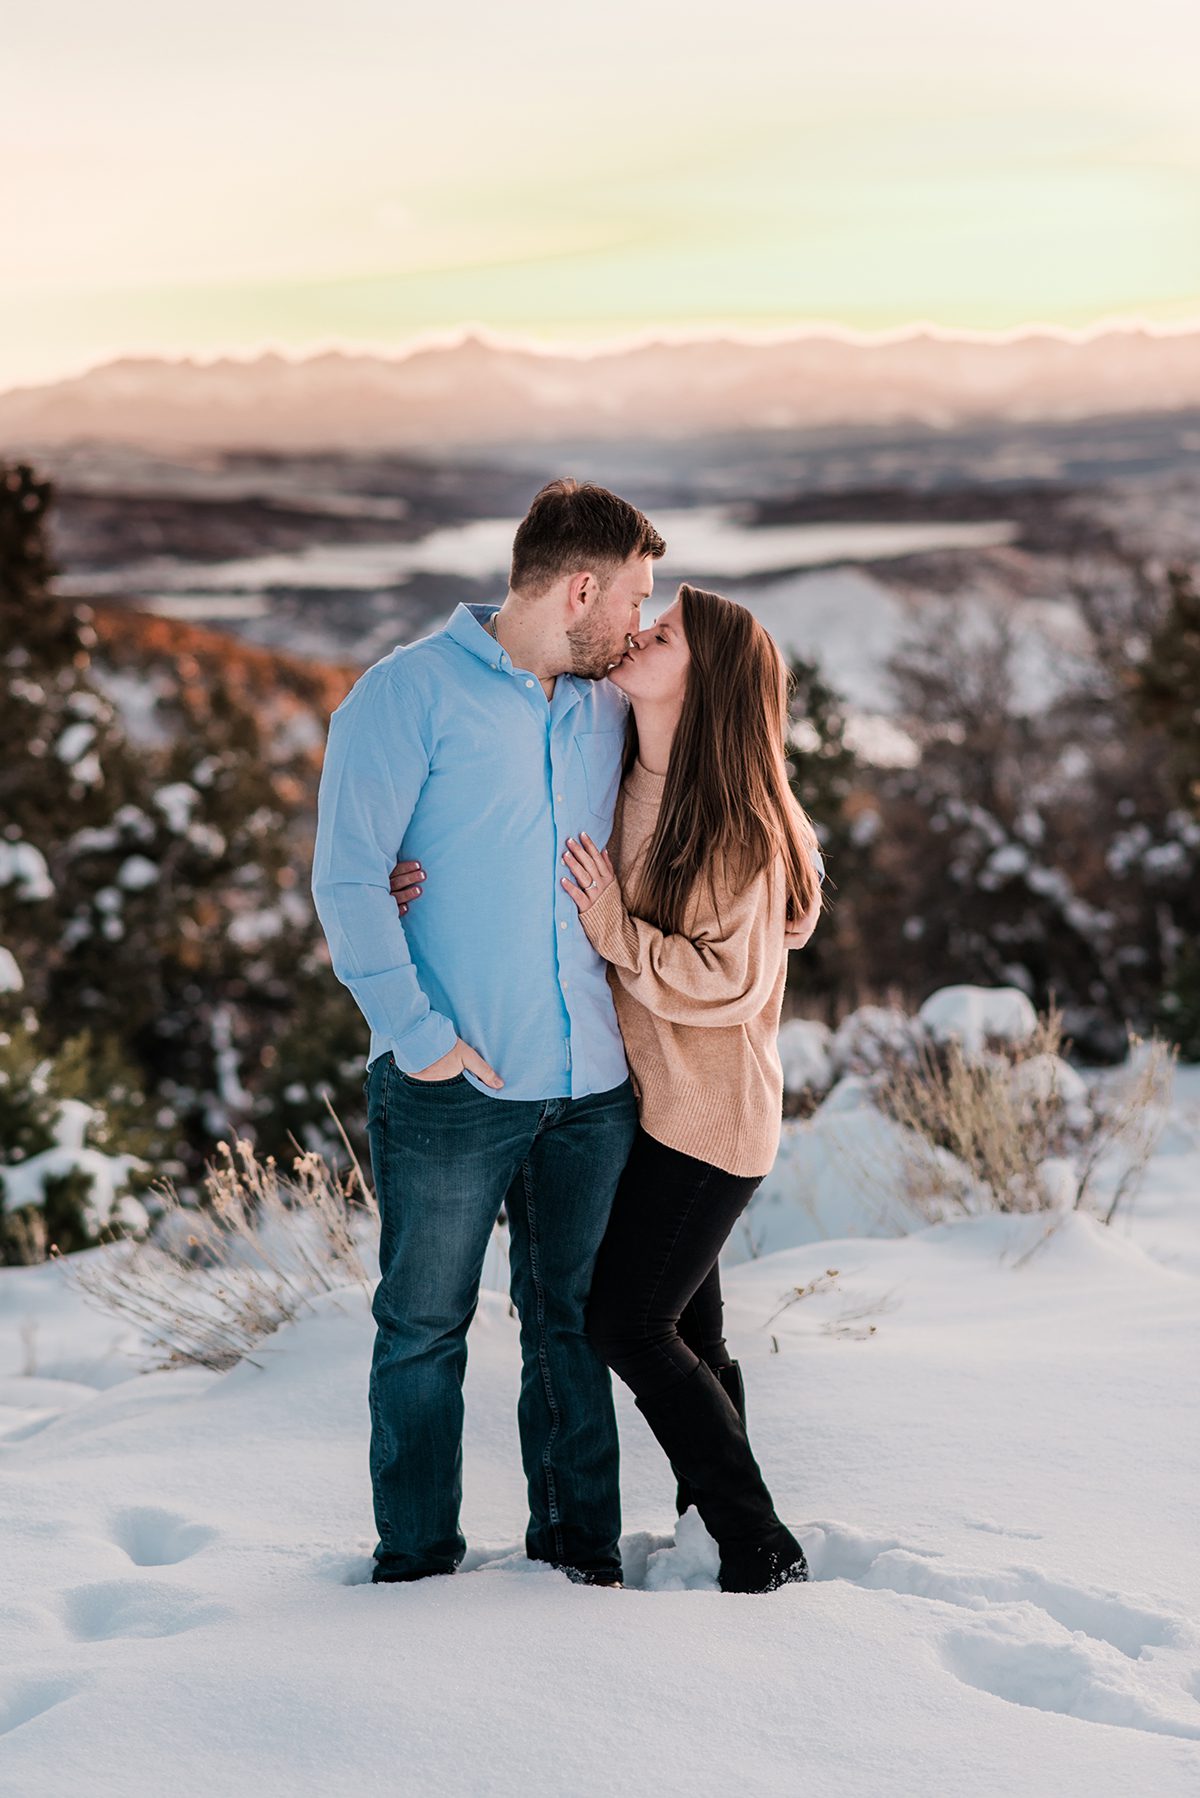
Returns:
<point x="467" y="626"/>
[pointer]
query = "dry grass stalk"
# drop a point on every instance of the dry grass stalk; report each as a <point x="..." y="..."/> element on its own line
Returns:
<point x="998" y="1130"/>
<point x="1003" y="1131"/>
<point x="215" y="1281"/>
<point x="853" y="1324"/>
<point x="822" y="1283"/>
<point x="29" y="1237"/>
<point x="1131" y="1113"/>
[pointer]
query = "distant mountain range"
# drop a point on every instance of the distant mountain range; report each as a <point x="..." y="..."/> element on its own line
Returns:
<point x="477" y="391"/>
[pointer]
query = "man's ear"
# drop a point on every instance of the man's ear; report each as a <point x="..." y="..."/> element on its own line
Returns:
<point x="579" y="590"/>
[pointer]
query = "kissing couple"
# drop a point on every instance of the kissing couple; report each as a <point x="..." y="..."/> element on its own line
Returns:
<point x="575" y="1024"/>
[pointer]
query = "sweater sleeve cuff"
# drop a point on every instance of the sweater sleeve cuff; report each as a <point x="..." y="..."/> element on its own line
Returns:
<point x="604" y="923"/>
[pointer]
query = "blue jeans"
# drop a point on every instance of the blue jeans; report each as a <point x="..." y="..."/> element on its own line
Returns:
<point x="446" y="1157"/>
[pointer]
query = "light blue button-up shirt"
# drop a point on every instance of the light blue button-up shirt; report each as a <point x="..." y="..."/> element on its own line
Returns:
<point x="447" y="754"/>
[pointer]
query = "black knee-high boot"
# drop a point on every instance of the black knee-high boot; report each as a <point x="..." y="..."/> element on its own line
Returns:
<point x="730" y="1377"/>
<point x="696" y="1422"/>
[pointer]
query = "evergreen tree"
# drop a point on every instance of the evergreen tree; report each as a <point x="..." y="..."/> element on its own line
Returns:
<point x="65" y="775"/>
<point x="153" y="888"/>
<point x="1166" y="682"/>
<point x="832" y="784"/>
<point x="995" y="848"/>
<point x="1165" y="687"/>
<point x="57" y="1113"/>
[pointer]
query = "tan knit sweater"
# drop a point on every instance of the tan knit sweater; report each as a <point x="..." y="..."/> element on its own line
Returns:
<point x="699" y="1011"/>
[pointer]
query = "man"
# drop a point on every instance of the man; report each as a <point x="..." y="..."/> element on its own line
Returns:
<point x="496" y="1075"/>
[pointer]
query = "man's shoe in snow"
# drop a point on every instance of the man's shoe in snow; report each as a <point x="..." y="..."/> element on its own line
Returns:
<point x="380" y="1576"/>
<point x="589" y="1576"/>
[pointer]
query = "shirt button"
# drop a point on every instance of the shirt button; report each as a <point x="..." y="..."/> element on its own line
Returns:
<point x="529" y="683"/>
<point x="562" y="923"/>
<point x="559" y="798"/>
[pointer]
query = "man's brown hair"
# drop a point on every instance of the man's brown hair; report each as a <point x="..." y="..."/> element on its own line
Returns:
<point x="573" y="525"/>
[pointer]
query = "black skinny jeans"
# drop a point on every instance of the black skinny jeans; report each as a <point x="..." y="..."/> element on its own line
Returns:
<point x="655" y="1309"/>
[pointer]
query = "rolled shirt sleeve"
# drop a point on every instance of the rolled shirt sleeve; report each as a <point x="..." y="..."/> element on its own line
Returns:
<point x="376" y="762"/>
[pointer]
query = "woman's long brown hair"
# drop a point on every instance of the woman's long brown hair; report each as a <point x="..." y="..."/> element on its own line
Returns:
<point x="727" y="805"/>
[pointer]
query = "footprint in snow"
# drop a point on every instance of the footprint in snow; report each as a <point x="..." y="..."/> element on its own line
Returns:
<point x="155" y="1538"/>
<point x="1033" y="1640"/>
<point x="24" y="1699"/>
<point x="1070" y="1678"/>
<point x="346" y="1569"/>
<point x="113" y="1608"/>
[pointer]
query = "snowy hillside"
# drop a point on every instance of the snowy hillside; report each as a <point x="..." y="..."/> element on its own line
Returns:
<point x="984" y="1434"/>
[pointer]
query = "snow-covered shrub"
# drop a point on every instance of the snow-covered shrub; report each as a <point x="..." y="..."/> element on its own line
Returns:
<point x="851" y="1093"/>
<point x="11" y="978"/>
<point x="978" y="1017"/>
<point x="70" y="1169"/>
<point x="212" y="1280"/>
<point x="939" y="1133"/>
<point x="1018" y="1118"/>
<point x="1045" y="1078"/>
<point x="875" y="1042"/>
<point x="876" y="1037"/>
<point x="806" y="1054"/>
<point x="70" y="1189"/>
<point x="976" y="1106"/>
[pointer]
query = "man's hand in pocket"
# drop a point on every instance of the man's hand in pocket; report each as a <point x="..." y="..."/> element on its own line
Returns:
<point x="462" y="1057"/>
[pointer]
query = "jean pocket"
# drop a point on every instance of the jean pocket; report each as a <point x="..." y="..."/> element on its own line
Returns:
<point x="411" y="1080"/>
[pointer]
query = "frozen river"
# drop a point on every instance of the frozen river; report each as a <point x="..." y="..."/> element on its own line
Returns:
<point x="704" y="542"/>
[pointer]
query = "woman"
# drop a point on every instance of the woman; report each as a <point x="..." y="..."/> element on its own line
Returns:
<point x="709" y="856"/>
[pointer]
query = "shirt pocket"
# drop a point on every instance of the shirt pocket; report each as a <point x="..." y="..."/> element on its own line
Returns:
<point x="600" y="752"/>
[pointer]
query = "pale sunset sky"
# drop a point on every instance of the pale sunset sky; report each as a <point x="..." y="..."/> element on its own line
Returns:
<point x="196" y="180"/>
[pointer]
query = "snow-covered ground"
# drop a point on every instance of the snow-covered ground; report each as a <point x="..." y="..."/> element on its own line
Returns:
<point x="986" y="1436"/>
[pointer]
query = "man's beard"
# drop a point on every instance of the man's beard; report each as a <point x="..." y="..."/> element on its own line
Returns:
<point x="592" y="651"/>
